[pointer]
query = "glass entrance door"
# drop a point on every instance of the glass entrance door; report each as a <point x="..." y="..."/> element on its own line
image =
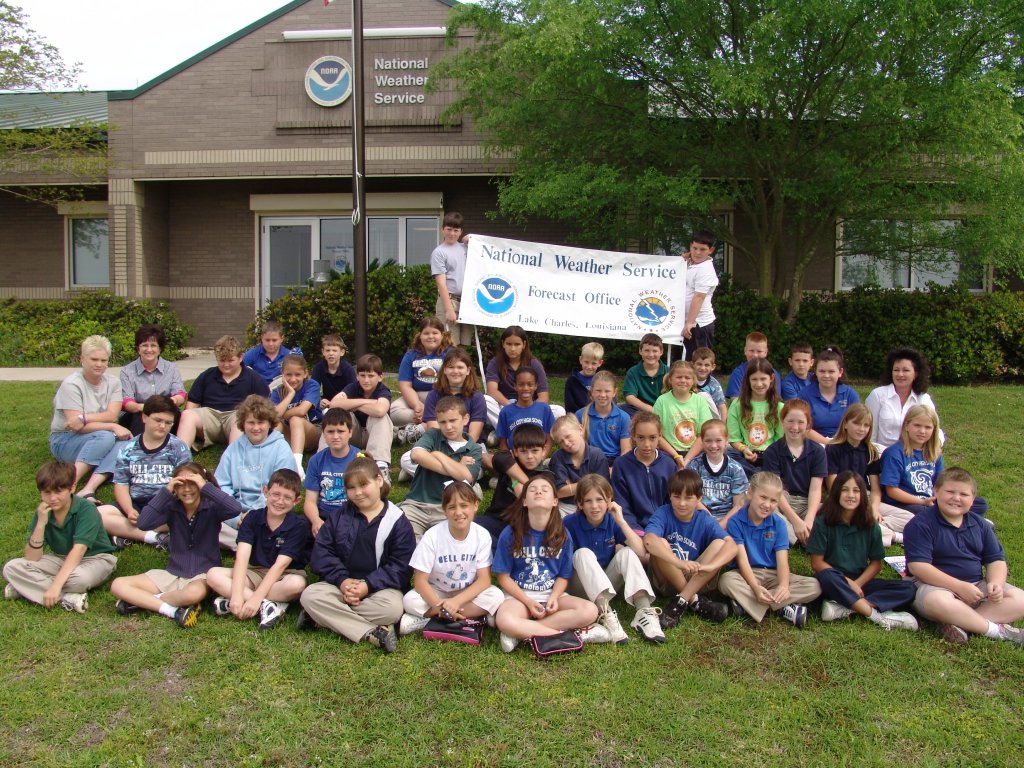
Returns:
<point x="287" y="249"/>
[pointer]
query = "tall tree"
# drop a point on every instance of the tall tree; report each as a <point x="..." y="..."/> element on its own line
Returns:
<point x="76" y="150"/>
<point x="630" y="117"/>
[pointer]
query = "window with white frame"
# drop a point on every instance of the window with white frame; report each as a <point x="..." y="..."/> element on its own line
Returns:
<point x="909" y="255"/>
<point x="679" y="242"/>
<point x="88" y="252"/>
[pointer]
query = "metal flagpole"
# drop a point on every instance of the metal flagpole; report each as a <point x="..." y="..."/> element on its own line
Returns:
<point x="358" y="181"/>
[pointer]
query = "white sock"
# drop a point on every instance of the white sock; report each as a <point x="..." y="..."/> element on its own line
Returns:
<point x="168" y="610"/>
<point x="641" y="600"/>
<point x="876" y="616"/>
<point x="992" y="631"/>
<point x="298" y="460"/>
<point x="151" y="537"/>
<point x="603" y="602"/>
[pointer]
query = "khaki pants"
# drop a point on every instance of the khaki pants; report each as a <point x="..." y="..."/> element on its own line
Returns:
<point x="31" y="578"/>
<point x="421" y="515"/>
<point x="461" y="333"/>
<point x="324" y="603"/>
<point x="802" y="589"/>
<point x="401" y="414"/>
<point x="624" y="571"/>
<point x="894" y="520"/>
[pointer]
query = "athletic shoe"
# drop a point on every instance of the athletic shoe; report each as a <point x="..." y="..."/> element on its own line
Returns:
<point x="10" y="593"/>
<point x="492" y="439"/>
<point x="711" y="610"/>
<point x="831" y="611"/>
<point x="737" y="609"/>
<point x="897" y="538"/>
<point x="596" y="633"/>
<point x="508" y="643"/>
<point x="610" y="621"/>
<point x="951" y="633"/>
<point x="77" y="602"/>
<point x="670" y="614"/>
<point x="648" y="624"/>
<point x="187" y="616"/>
<point x="414" y="432"/>
<point x="383" y="638"/>
<point x="163" y="542"/>
<point x="1012" y="635"/>
<point x="304" y="622"/>
<point x="120" y="542"/>
<point x="403" y="475"/>
<point x="410" y="624"/>
<point x="125" y="608"/>
<point x="794" y="614"/>
<point x="271" y="612"/>
<point x="899" y="620"/>
<point x="385" y="470"/>
<point x="221" y="606"/>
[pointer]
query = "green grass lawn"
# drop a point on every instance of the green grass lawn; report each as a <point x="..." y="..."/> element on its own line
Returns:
<point x="100" y="689"/>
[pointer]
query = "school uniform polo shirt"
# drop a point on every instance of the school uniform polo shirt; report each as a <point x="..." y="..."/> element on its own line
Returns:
<point x="565" y="472"/>
<point x="793" y="387"/>
<point x="355" y="392"/>
<point x="796" y="473"/>
<point x="476" y="406"/>
<point x="291" y="538"/>
<point x="825" y="415"/>
<point x="600" y="539"/>
<point x="605" y="432"/>
<point x="688" y="538"/>
<point x="209" y="390"/>
<point x="643" y="386"/>
<point x="844" y="456"/>
<point x="846" y="548"/>
<point x="82" y="525"/>
<point x="309" y="392"/>
<point x="427" y="486"/>
<point x="957" y="552"/>
<point x="761" y="542"/>
<point x="333" y="383"/>
<point x="256" y="358"/>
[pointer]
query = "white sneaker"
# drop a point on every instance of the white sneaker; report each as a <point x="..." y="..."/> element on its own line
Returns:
<point x="410" y="623"/>
<point x="508" y="643"/>
<point x="899" y="620"/>
<point x="10" y="593"/>
<point x="403" y="475"/>
<point x="75" y="601"/>
<point x="489" y="618"/>
<point x="647" y="623"/>
<point x="595" y="633"/>
<point x="610" y="621"/>
<point x="271" y="612"/>
<point x="221" y="606"/>
<point x="897" y="538"/>
<point x="831" y="610"/>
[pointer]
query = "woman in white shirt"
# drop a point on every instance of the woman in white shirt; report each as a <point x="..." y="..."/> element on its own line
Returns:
<point x="905" y="384"/>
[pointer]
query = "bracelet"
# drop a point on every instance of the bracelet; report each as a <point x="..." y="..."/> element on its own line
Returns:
<point x="35" y="546"/>
<point x="83" y="418"/>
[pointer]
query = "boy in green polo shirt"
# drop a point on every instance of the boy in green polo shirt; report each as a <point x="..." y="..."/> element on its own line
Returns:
<point x="81" y="555"/>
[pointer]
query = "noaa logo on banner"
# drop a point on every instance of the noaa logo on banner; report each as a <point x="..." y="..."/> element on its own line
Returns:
<point x="495" y="295"/>
<point x="651" y="311"/>
<point x="329" y="81"/>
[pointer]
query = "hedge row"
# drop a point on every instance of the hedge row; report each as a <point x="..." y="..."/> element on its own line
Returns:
<point x="50" y="332"/>
<point x="966" y="336"/>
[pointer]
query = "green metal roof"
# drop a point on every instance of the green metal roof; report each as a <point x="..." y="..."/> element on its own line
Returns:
<point x="51" y="110"/>
<point x="126" y="95"/>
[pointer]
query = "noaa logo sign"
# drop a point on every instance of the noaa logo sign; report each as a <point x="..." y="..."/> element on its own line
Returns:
<point x="495" y="296"/>
<point x="651" y="311"/>
<point x="329" y="81"/>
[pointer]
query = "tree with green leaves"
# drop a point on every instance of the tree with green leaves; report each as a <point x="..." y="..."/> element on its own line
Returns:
<point x="633" y="119"/>
<point x="75" y="151"/>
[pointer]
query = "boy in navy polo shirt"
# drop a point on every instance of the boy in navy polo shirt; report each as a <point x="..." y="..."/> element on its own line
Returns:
<point x="574" y="458"/>
<point x="266" y="357"/>
<point x="960" y="566"/>
<point x="273" y="549"/>
<point x="370" y="402"/>
<point x="760" y="579"/>
<point x="325" y="475"/>
<point x="209" y="415"/>
<point x="608" y="556"/>
<point x="514" y="469"/>
<point x="688" y="548"/>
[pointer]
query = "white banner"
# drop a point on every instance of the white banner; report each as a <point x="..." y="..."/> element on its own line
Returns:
<point x="572" y="291"/>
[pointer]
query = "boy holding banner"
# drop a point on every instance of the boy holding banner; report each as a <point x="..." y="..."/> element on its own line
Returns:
<point x="448" y="266"/>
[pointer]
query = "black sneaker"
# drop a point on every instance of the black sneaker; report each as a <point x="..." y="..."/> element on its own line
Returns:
<point x="125" y="608"/>
<point x="187" y="616"/>
<point x="384" y="638"/>
<point x="120" y="542"/>
<point x="709" y="609"/>
<point x="671" y="613"/>
<point x="304" y="622"/>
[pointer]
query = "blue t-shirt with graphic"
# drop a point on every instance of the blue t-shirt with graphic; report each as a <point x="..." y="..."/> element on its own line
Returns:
<point x="913" y="474"/>
<point x="533" y="568"/>
<point x="325" y="474"/>
<point x="513" y="416"/>
<point x="144" y="471"/>
<point x="421" y="369"/>
<point x="309" y="392"/>
<point x="687" y="539"/>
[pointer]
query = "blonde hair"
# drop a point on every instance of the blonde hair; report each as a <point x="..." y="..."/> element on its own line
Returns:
<point x="600" y="377"/>
<point x="592" y="349"/>
<point x="677" y="365"/>
<point x="569" y="421"/>
<point x="931" y="450"/>
<point x="95" y="343"/>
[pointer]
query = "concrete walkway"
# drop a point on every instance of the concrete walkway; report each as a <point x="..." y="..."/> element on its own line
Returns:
<point x="198" y="360"/>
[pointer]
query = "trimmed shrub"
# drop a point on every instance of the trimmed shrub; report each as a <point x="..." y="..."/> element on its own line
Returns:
<point x="51" y="332"/>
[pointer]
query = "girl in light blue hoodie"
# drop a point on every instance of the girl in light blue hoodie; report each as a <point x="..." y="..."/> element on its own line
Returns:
<point x="247" y="464"/>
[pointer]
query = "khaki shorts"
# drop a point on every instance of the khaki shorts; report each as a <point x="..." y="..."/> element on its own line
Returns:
<point x="216" y="425"/>
<point x="165" y="581"/>
<point x="257" y="575"/>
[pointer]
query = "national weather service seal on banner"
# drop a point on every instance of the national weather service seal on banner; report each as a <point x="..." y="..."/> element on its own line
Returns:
<point x="572" y="291"/>
<point x="329" y="81"/>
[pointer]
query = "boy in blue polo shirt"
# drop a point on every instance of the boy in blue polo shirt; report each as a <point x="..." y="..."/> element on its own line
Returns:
<point x="266" y="357"/>
<point x="960" y="566"/>
<point x="574" y="458"/>
<point x="273" y="549"/>
<point x="760" y="578"/>
<point x="688" y="548"/>
<point x="443" y="454"/>
<point x="325" y="475"/>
